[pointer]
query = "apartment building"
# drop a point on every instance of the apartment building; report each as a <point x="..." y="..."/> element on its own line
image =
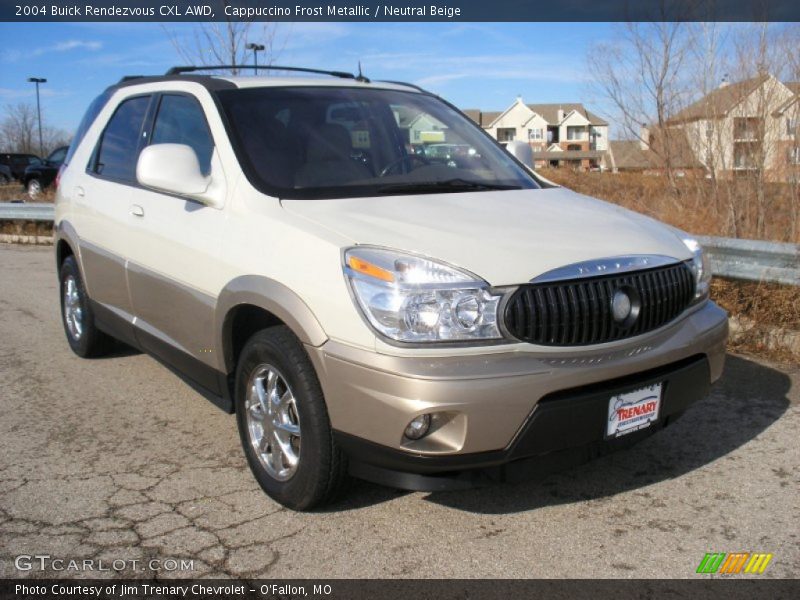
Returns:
<point x="745" y="128"/>
<point x="559" y="134"/>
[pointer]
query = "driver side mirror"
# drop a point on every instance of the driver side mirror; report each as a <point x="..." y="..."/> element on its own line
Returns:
<point x="174" y="168"/>
<point x="522" y="152"/>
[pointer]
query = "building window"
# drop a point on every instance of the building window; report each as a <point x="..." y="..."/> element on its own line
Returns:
<point x="747" y="129"/>
<point x="506" y="134"/>
<point x="793" y="155"/>
<point x="535" y="134"/>
<point x="792" y="126"/>
<point x="573" y="146"/>
<point x="576" y="133"/>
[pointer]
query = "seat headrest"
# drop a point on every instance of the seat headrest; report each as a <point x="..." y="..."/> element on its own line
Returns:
<point x="330" y="142"/>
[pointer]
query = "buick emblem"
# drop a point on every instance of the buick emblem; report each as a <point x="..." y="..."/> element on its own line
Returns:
<point x="621" y="306"/>
<point x="626" y="304"/>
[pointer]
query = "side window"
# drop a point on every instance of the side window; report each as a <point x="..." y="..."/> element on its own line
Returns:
<point x="118" y="151"/>
<point x="180" y="120"/>
<point x="88" y="118"/>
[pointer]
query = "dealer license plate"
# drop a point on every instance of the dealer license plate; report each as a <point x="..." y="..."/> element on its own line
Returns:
<point x="633" y="411"/>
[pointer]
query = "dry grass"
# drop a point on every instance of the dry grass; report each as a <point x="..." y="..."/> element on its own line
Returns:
<point x="26" y="228"/>
<point x="767" y="306"/>
<point x="696" y="205"/>
<point x="15" y="191"/>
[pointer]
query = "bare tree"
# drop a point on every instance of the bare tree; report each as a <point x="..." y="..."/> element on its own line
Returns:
<point x="641" y="74"/>
<point x="225" y="43"/>
<point x="19" y="131"/>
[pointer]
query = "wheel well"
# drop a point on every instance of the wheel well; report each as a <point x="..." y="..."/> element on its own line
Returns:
<point x="63" y="250"/>
<point x="242" y="322"/>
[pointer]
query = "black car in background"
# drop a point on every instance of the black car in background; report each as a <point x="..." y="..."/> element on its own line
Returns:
<point x="5" y="175"/>
<point x="37" y="177"/>
<point x="17" y="163"/>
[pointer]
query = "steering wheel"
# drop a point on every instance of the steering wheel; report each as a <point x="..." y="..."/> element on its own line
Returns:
<point x="403" y="159"/>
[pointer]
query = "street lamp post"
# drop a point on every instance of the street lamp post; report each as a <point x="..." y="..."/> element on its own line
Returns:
<point x="37" y="81"/>
<point x="255" y="48"/>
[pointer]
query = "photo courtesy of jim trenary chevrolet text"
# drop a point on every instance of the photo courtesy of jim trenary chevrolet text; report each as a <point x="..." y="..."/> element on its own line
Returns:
<point x="443" y="298"/>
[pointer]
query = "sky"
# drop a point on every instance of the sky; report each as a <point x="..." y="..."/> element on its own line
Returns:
<point x="473" y="65"/>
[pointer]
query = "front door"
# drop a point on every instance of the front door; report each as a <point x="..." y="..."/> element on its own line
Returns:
<point x="173" y="266"/>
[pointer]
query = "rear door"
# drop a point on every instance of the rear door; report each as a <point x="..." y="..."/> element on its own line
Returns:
<point x="102" y="196"/>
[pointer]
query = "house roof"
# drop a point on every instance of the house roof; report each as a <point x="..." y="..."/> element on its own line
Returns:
<point x="794" y="87"/>
<point x="549" y="112"/>
<point x="630" y="154"/>
<point x="720" y="101"/>
<point x="482" y="118"/>
<point x="473" y="113"/>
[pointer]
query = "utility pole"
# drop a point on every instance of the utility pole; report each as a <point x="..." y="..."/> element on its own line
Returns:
<point x="37" y="81"/>
<point x="255" y="48"/>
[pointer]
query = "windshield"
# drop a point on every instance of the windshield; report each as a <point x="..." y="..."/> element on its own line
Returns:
<point x="321" y="142"/>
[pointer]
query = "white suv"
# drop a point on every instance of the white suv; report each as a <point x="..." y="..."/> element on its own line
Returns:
<point x="290" y="248"/>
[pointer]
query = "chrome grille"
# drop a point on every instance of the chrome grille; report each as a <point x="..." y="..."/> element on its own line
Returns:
<point x="578" y="312"/>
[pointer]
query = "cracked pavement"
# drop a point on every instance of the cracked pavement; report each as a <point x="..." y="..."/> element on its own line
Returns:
<point x="118" y="459"/>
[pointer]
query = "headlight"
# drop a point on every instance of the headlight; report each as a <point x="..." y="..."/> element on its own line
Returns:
<point x="413" y="299"/>
<point x="701" y="268"/>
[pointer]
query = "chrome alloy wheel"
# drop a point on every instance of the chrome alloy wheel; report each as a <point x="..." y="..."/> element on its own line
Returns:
<point x="273" y="423"/>
<point x="73" y="313"/>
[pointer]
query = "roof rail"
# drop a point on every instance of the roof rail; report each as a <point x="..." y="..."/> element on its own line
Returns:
<point x="194" y="68"/>
<point x="411" y="85"/>
<point x="130" y="78"/>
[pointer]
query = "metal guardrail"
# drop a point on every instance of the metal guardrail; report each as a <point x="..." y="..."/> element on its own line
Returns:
<point x="18" y="211"/>
<point x="751" y="260"/>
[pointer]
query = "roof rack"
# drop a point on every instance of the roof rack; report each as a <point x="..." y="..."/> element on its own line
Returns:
<point x="192" y="69"/>
<point x="411" y="85"/>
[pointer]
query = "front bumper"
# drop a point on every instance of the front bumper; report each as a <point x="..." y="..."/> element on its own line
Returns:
<point x="501" y="407"/>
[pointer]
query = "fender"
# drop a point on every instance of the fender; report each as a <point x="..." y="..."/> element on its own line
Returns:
<point x="272" y="296"/>
<point x="66" y="232"/>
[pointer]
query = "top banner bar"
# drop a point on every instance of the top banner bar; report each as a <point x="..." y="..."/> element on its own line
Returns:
<point x="402" y="11"/>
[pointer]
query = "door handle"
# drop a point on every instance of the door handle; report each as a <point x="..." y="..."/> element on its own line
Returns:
<point x="137" y="211"/>
<point x="79" y="192"/>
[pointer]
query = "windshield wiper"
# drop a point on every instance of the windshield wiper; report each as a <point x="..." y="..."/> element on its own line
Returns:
<point x="448" y="185"/>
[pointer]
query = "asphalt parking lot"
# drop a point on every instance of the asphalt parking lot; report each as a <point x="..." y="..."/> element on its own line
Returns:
<point x="117" y="459"/>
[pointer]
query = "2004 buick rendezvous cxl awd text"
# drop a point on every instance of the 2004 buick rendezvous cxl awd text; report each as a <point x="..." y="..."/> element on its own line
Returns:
<point x="303" y="252"/>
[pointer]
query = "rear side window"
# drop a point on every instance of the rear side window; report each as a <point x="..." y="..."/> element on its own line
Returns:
<point x="180" y="120"/>
<point x="119" y="145"/>
<point x="88" y="118"/>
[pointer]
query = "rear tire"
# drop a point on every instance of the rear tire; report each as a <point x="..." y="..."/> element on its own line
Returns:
<point x="283" y="422"/>
<point x="85" y="339"/>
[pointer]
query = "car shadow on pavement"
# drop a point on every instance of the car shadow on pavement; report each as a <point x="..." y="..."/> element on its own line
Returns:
<point x="119" y="350"/>
<point x="743" y="403"/>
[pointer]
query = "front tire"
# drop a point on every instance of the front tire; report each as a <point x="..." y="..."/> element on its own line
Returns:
<point x="283" y="422"/>
<point x="85" y="339"/>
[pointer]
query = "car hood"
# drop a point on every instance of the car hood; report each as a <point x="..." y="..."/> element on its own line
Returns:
<point x="505" y="237"/>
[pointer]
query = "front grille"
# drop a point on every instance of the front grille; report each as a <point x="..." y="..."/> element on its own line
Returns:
<point x="578" y="312"/>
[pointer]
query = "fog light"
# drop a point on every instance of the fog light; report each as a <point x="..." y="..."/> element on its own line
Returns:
<point x="418" y="427"/>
